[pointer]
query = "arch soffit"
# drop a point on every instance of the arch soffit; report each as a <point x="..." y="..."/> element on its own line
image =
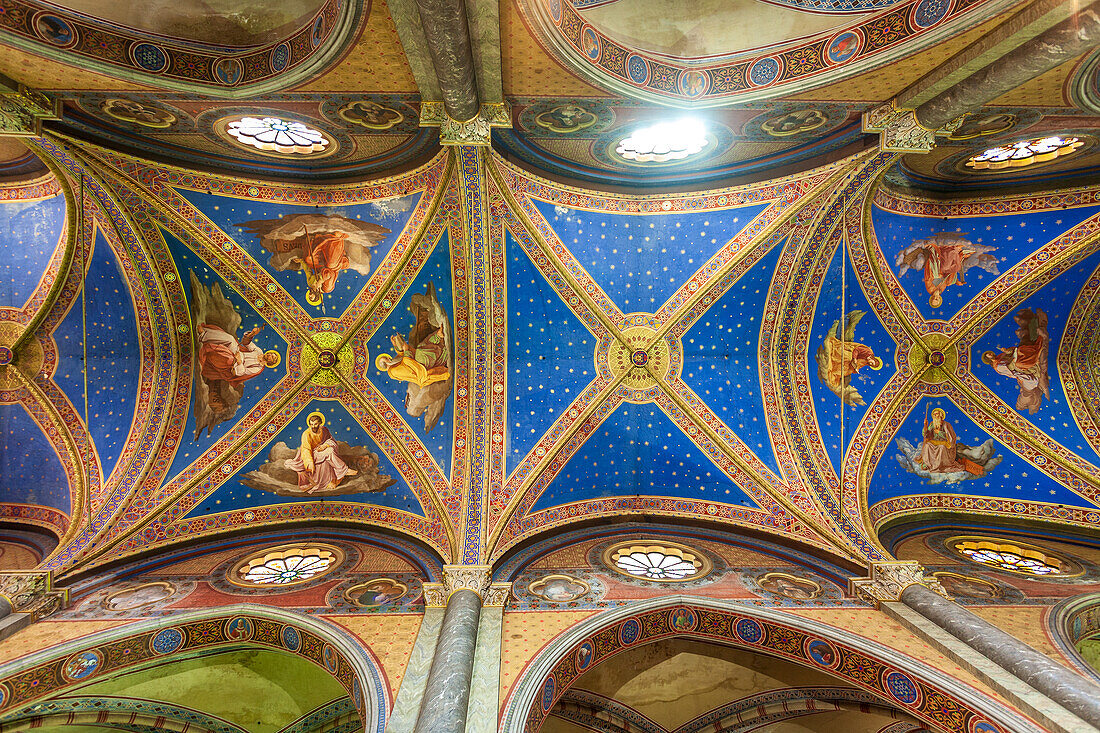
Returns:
<point x="936" y="698"/>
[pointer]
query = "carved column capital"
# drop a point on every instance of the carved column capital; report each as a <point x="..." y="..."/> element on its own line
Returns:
<point x="471" y="132"/>
<point x="32" y="592"/>
<point x="900" y="132"/>
<point x="888" y="579"/>
<point x="22" y="110"/>
<point x="498" y="594"/>
<point x="471" y="577"/>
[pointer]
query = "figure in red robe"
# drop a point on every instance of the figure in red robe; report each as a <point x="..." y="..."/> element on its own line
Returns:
<point x="1027" y="361"/>
<point x="945" y="258"/>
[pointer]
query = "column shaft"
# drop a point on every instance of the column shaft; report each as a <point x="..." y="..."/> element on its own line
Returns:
<point x="447" y="695"/>
<point x="1052" y="48"/>
<point x="1075" y="693"/>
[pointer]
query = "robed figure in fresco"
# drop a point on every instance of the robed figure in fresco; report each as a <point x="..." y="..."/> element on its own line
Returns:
<point x="320" y="246"/>
<point x="423" y="359"/>
<point x="223" y="362"/>
<point x="942" y="458"/>
<point x="320" y="466"/>
<point x="839" y="357"/>
<point x="945" y="258"/>
<point x="1027" y="361"/>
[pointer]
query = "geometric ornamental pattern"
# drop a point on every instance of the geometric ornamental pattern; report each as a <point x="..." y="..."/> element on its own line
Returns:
<point x="1011" y="556"/>
<point x="663" y="563"/>
<point x="286" y="565"/>
<point x="1024" y="152"/>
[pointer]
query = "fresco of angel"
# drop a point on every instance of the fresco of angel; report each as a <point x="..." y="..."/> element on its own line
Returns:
<point x="945" y="258"/>
<point x="1027" y="361"/>
<point x="941" y="458"/>
<point x="839" y="357"/>
<point x="223" y="361"/>
<point x="321" y="466"/>
<point x="320" y="246"/>
<point x="423" y="359"/>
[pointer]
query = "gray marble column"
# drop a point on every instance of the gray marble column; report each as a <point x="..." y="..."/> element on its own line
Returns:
<point x="447" y="695"/>
<point x="1075" y="693"/>
<point x="1056" y="46"/>
<point x="447" y="31"/>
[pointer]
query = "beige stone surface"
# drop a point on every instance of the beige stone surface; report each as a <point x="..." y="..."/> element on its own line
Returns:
<point x="389" y="636"/>
<point x="525" y="634"/>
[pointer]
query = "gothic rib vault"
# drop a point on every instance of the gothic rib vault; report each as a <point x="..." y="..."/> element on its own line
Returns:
<point x="361" y="362"/>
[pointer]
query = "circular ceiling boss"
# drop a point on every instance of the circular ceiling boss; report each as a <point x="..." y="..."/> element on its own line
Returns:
<point x="638" y="359"/>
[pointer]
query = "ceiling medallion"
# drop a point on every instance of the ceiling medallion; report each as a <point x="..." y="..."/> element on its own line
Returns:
<point x="638" y="360"/>
<point x="1013" y="557"/>
<point x="286" y="565"/>
<point x="370" y="115"/>
<point x="138" y="113"/>
<point x="664" y="562"/>
<point x="1024" y="153"/>
<point x="276" y="136"/>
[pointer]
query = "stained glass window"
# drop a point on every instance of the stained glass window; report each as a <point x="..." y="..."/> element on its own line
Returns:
<point x="289" y="565"/>
<point x="1011" y="557"/>
<point x="1024" y="152"/>
<point x="664" y="142"/>
<point x="274" y="134"/>
<point x="656" y="562"/>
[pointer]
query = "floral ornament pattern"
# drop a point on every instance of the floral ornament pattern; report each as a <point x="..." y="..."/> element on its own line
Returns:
<point x="656" y="562"/>
<point x="276" y="135"/>
<point x="1012" y="557"/>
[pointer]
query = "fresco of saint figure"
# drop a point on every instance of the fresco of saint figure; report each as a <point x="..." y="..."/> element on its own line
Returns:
<point x="321" y="466"/>
<point x="945" y="258"/>
<point x="1027" y="361"/>
<point x="376" y="592"/>
<point x="838" y="358"/>
<point x="223" y="362"/>
<point x="423" y="359"/>
<point x="320" y="246"/>
<point x="942" y="458"/>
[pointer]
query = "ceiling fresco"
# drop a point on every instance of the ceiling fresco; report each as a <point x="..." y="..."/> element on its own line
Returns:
<point x="813" y="357"/>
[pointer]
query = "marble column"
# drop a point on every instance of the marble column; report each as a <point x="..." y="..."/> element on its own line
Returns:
<point x="1057" y="45"/>
<point x="1075" y="693"/>
<point x="447" y="31"/>
<point x="407" y="705"/>
<point x="447" y="695"/>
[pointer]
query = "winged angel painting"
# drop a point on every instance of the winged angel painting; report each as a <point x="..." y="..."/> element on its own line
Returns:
<point x="320" y="246"/>
<point x="224" y="361"/>
<point x="945" y="258"/>
<point x="423" y="359"/>
<point x="839" y="357"/>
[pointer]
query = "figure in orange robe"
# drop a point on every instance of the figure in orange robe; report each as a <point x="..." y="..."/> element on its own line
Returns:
<point x="325" y="256"/>
<point x="939" y="451"/>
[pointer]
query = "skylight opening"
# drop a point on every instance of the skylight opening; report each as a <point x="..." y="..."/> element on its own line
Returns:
<point x="1024" y="153"/>
<point x="664" y="142"/>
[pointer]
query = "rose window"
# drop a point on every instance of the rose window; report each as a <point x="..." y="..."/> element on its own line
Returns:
<point x="1013" y="557"/>
<point x="665" y="142"/>
<point x="276" y="135"/>
<point x="665" y="562"/>
<point x="288" y="565"/>
<point x="1025" y="152"/>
